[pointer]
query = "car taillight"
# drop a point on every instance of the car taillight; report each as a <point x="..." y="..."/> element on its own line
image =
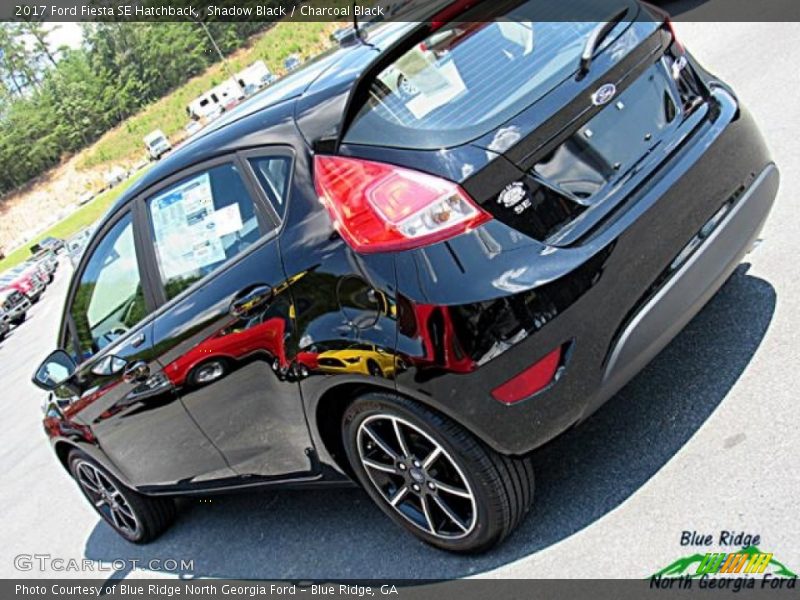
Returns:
<point x="378" y="207"/>
<point x="664" y="15"/>
<point x="450" y="12"/>
<point x="533" y="379"/>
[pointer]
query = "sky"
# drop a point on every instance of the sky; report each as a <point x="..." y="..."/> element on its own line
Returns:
<point x="64" y="34"/>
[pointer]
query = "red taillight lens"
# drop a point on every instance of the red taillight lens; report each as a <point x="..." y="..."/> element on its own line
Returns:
<point x="378" y="207"/>
<point x="671" y="26"/>
<point x="664" y="15"/>
<point x="450" y="12"/>
<point x="533" y="379"/>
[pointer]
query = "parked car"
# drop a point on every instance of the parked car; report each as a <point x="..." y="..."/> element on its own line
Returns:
<point x="192" y="127"/>
<point x="292" y="62"/>
<point x="515" y="242"/>
<point x="46" y="262"/>
<point x="25" y="279"/>
<point x="157" y="144"/>
<point x="48" y="243"/>
<point x="40" y="270"/>
<point x="345" y="36"/>
<point x="77" y="244"/>
<point x="5" y="324"/>
<point x="14" y="305"/>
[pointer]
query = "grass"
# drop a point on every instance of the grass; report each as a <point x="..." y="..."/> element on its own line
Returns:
<point x="124" y="142"/>
<point x="83" y="217"/>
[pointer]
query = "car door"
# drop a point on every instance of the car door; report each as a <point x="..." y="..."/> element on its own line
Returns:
<point x="122" y="395"/>
<point x="227" y="313"/>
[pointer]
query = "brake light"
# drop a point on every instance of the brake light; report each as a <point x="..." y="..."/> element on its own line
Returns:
<point x="450" y="12"/>
<point x="533" y="379"/>
<point x="378" y="207"/>
<point x="671" y="26"/>
<point x="664" y="16"/>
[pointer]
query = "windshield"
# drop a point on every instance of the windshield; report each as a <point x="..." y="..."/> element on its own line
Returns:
<point x="466" y="79"/>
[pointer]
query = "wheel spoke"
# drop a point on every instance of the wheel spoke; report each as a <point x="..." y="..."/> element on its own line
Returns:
<point x="400" y="439"/>
<point x="379" y="466"/>
<point x="450" y="514"/>
<point x="443" y="487"/>
<point x="401" y="493"/>
<point x="88" y="476"/>
<point x="87" y="484"/>
<point x="104" y="482"/>
<point x="125" y="510"/>
<point x="100" y="503"/>
<point x="117" y="519"/>
<point x="431" y="458"/>
<point x="426" y="509"/>
<point x="383" y="445"/>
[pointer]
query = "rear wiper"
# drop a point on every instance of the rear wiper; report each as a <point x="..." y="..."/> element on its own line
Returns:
<point x="596" y="38"/>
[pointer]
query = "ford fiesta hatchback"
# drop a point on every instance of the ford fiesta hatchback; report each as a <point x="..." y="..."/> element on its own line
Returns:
<point x="409" y="264"/>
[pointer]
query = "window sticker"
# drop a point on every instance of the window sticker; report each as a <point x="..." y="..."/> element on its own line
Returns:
<point x="228" y="220"/>
<point x="186" y="227"/>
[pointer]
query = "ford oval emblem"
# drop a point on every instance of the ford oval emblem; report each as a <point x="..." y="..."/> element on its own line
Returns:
<point x="604" y="94"/>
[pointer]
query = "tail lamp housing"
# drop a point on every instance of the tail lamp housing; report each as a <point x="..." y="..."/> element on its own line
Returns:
<point x="377" y="207"/>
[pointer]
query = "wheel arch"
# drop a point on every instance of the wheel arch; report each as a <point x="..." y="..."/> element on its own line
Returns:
<point x="332" y="402"/>
<point x="63" y="446"/>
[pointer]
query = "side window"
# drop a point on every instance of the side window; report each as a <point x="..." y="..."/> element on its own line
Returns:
<point x="110" y="299"/>
<point x="273" y="173"/>
<point x="200" y="223"/>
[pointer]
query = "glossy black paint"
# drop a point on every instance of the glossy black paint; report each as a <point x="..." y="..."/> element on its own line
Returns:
<point x="249" y="371"/>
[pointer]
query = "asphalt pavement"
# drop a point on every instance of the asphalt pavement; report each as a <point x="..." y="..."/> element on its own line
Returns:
<point x="704" y="440"/>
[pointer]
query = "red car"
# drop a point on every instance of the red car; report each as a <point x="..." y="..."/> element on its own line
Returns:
<point x="24" y="279"/>
<point x="217" y="355"/>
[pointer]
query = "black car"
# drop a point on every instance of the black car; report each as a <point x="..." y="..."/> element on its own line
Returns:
<point x="338" y="282"/>
<point x="55" y="245"/>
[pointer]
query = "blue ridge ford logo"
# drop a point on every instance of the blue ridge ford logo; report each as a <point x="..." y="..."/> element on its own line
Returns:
<point x="604" y="94"/>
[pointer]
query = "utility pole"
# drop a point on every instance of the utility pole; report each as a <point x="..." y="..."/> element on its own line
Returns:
<point x="225" y="64"/>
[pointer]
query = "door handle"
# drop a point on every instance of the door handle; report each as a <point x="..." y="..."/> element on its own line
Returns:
<point x="253" y="298"/>
<point x="137" y="372"/>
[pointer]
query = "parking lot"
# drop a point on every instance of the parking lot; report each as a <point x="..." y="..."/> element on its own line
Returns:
<point x="703" y="440"/>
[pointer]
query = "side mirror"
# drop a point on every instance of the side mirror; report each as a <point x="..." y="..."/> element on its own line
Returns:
<point x="54" y="370"/>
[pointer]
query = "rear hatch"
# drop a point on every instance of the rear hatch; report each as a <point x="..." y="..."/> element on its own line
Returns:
<point x="579" y="140"/>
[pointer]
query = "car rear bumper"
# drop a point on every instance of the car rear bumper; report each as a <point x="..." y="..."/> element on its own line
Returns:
<point x="614" y="301"/>
<point x="691" y="285"/>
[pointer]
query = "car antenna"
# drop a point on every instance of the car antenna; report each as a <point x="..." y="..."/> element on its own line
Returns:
<point x="355" y="22"/>
<point x="359" y="34"/>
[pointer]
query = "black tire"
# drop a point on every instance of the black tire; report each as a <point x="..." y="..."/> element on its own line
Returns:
<point x="501" y="486"/>
<point x="20" y="319"/>
<point x="153" y="515"/>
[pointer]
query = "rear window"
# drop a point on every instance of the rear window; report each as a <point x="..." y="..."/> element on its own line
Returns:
<point x="466" y="79"/>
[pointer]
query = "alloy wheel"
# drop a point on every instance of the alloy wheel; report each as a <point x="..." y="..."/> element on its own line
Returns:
<point x="416" y="476"/>
<point x="107" y="498"/>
